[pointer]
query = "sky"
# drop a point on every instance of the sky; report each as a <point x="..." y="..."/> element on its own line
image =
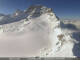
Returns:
<point x="64" y="9"/>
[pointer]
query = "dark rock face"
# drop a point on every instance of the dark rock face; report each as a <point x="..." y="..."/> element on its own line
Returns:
<point x="37" y="10"/>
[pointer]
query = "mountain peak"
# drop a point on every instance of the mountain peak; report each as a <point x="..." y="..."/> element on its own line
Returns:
<point x="38" y="10"/>
<point x="40" y="28"/>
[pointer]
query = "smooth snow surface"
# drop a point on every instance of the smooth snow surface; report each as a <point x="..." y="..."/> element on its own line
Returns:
<point x="28" y="42"/>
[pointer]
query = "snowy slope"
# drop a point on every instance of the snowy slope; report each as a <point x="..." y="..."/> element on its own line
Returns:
<point x="37" y="32"/>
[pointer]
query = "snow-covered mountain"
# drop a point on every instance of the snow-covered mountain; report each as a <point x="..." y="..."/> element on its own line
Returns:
<point x="37" y="31"/>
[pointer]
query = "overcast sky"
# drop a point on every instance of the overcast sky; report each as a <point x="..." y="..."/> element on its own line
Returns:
<point x="63" y="8"/>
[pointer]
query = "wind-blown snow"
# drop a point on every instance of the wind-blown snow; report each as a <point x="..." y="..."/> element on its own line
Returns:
<point x="36" y="32"/>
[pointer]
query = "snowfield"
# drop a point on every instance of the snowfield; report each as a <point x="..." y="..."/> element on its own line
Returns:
<point x="27" y="42"/>
<point x="37" y="32"/>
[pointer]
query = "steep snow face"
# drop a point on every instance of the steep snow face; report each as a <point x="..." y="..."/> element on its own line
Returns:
<point x="27" y="36"/>
<point x="35" y="32"/>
